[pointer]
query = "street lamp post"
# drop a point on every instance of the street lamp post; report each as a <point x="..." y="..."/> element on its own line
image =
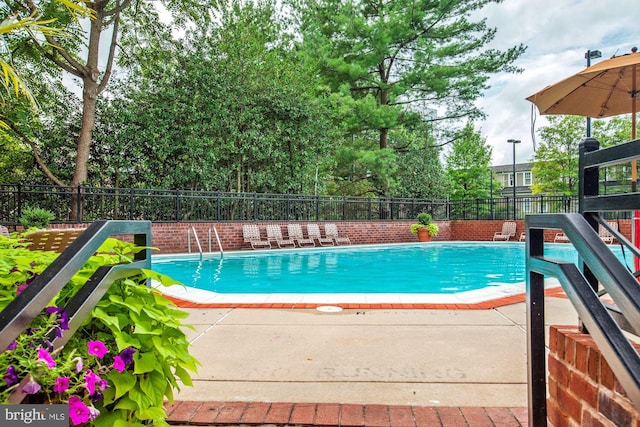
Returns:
<point x="514" y="142"/>
<point x="589" y="55"/>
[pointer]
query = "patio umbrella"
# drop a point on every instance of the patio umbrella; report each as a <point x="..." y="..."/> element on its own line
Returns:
<point x="606" y="89"/>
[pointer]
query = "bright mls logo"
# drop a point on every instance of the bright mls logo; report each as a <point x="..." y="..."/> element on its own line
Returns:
<point x="34" y="415"/>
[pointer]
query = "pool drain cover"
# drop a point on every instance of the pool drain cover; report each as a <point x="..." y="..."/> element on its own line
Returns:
<point x="329" y="309"/>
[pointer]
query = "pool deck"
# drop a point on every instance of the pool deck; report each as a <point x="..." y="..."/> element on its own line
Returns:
<point x="398" y="365"/>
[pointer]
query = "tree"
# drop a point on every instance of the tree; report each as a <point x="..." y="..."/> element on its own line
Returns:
<point x="555" y="166"/>
<point x="16" y="25"/>
<point x="401" y="53"/>
<point x="66" y="52"/>
<point x="419" y="173"/>
<point x="468" y="167"/>
<point x="230" y="111"/>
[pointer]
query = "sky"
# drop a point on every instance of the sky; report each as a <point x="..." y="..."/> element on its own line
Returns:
<point x="557" y="34"/>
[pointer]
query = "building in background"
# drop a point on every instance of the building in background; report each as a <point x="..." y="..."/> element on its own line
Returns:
<point x="524" y="178"/>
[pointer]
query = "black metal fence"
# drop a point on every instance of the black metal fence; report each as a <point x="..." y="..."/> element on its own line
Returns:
<point x="157" y="205"/>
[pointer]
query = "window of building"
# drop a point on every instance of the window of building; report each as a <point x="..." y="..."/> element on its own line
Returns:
<point x="527" y="178"/>
<point x="510" y="180"/>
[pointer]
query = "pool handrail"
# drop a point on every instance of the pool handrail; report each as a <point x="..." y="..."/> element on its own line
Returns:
<point x="605" y="322"/>
<point x="192" y="229"/>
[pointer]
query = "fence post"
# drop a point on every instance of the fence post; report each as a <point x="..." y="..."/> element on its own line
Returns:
<point x="369" y="209"/>
<point x="255" y="206"/>
<point x="317" y="208"/>
<point x="130" y="203"/>
<point x="19" y="202"/>
<point x="79" y="204"/>
<point x="344" y="208"/>
<point x="541" y="207"/>
<point x="492" y="211"/>
<point x="177" y="205"/>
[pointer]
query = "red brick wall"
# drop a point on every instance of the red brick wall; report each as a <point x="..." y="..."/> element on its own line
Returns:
<point x="172" y="237"/>
<point x="582" y="388"/>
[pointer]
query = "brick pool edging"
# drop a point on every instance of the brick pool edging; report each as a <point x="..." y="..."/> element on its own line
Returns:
<point x="485" y="305"/>
<point x="337" y="414"/>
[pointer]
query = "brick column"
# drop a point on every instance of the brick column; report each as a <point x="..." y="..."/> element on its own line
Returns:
<point x="582" y="387"/>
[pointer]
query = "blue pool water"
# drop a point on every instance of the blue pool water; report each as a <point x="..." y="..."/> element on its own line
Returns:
<point x="437" y="268"/>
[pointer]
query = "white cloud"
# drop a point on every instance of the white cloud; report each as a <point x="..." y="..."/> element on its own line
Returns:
<point x="557" y="35"/>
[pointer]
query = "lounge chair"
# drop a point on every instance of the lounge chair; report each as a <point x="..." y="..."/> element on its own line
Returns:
<point x="251" y="235"/>
<point x="560" y="238"/>
<point x="605" y="235"/>
<point x="508" y="231"/>
<point x="523" y="236"/>
<point x="52" y="240"/>
<point x="331" y="231"/>
<point x="295" y="233"/>
<point x="313" y="231"/>
<point x="274" y="234"/>
<point x="4" y="231"/>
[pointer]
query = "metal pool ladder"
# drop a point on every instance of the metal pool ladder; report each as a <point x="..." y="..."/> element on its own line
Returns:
<point x="192" y="229"/>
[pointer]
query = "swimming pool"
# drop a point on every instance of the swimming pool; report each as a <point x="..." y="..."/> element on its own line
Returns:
<point x="438" y="271"/>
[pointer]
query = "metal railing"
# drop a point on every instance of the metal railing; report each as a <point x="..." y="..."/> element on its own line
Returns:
<point x="599" y="268"/>
<point x="92" y="204"/>
<point x="19" y="313"/>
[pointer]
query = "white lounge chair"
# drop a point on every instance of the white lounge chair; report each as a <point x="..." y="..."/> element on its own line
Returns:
<point x="313" y="231"/>
<point x="605" y="235"/>
<point x="4" y="231"/>
<point x="508" y="231"/>
<point x="331" y="231"/>
<point x="295" y="233"/>
<point x="274" y="234"/>
<point x="560" y="238"/>
<point x="251" y="235"/>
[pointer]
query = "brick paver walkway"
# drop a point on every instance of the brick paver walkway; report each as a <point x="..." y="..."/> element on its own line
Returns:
<point x="344" y="415"/>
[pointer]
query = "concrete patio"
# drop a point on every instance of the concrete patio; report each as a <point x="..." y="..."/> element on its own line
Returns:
<point x="404" y="357"/>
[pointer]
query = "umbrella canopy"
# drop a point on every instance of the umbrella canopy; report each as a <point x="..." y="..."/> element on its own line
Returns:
<point x="605" y="89"/>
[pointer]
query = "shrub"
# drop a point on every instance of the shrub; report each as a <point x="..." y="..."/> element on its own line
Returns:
<point x="36" y="218"/>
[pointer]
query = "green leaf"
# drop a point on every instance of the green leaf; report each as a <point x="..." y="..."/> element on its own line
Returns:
<point x="127" y="403"/>
<point x="153" y="386"/>
<point x="184" y="376"/>
<point x="123" y="382"/>
<point x="152" y="413"/>
<point x="145" y="363"/>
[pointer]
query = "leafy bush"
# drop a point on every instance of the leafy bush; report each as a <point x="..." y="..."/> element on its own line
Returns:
<point x="424" y="221"/>
<point x="36" y="218"/>
<point x="122" y="363"/>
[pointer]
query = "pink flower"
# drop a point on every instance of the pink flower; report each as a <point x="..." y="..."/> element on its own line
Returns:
<point x="97" y="348"/>
<point x="78" y="412"/>
<point x="44" y="356"/>
<point x="79" y="364"/>
<point x="118" y="364"/>
<point x="61" y="385"/>
<point x="21" y="288"/>
<point x="92" y="380"/>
